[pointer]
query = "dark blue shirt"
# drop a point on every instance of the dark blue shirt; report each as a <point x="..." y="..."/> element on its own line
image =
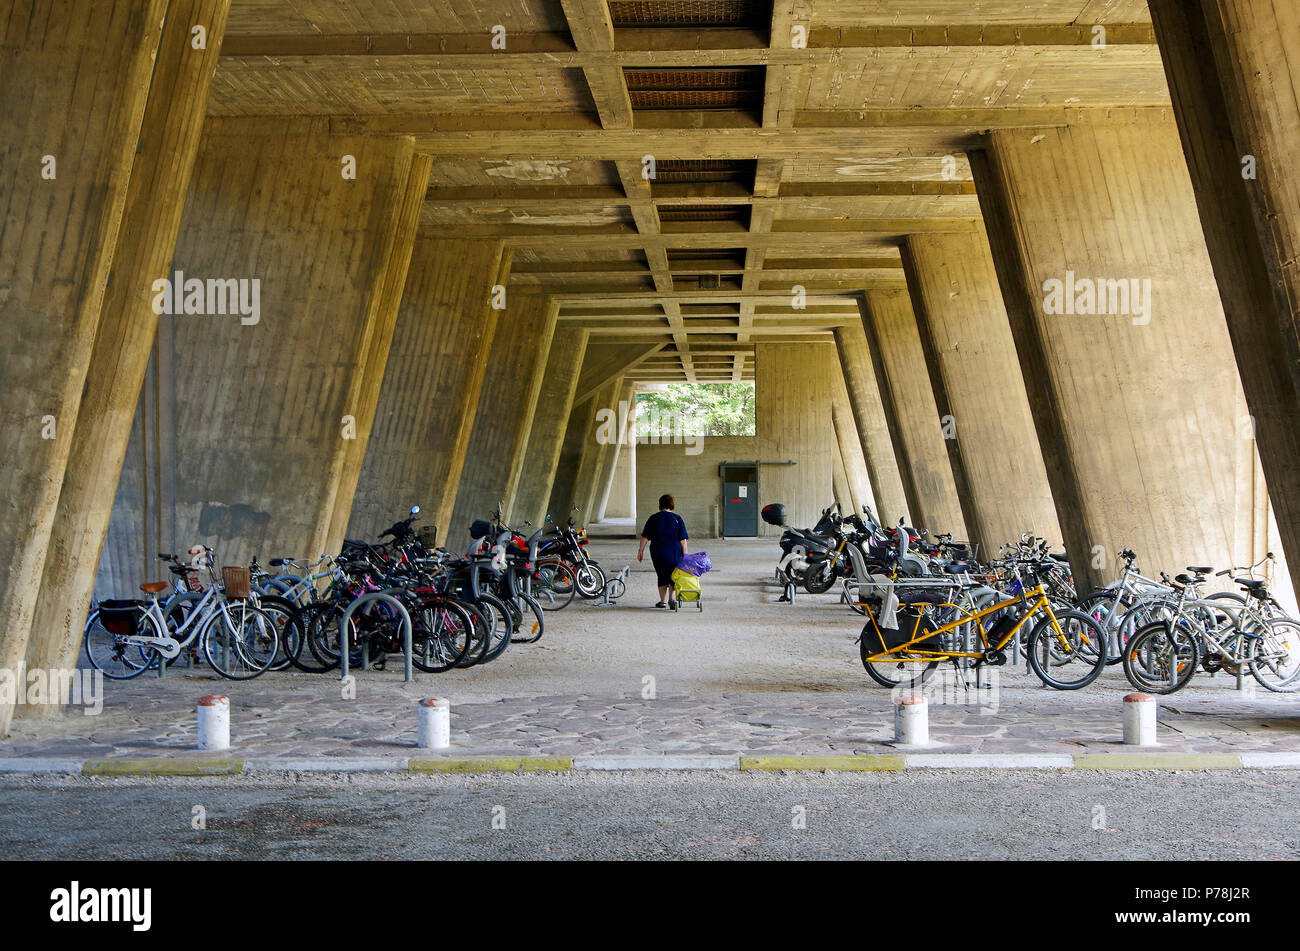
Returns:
<point x="665" y="531"/>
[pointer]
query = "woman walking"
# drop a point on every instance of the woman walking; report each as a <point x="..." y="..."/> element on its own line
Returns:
<point x="665" y="533"/>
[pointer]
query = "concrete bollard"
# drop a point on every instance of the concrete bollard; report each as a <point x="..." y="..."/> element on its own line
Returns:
<point x="214" y="723"/>
<point x="912" y="720"/>
<point x="1140" y="720"/>
<point x="435" y="724"/>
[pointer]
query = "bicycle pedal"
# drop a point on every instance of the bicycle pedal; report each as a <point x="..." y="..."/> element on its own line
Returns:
<point x="994" y="658"/>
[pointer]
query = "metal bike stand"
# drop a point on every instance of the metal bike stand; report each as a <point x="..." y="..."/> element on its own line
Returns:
<point x="788" y="595"/>
<point x="345" y="658"/>
<point x="605" y="600"/>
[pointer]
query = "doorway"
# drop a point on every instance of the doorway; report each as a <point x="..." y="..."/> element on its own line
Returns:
<point x="739" y="499"/>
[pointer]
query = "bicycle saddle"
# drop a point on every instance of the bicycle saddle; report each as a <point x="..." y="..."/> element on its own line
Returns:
<point x="1184" y="579"/>
<point x="154" y="587"/>
<point x="1199" y="571"/>
<point x="1252" y="585"/>
<point x="957" y="569"/>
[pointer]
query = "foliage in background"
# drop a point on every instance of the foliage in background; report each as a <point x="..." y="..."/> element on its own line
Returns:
<point x="708" y="409"/>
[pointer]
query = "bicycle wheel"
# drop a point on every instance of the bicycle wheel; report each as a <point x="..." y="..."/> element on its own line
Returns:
<point x="1161" y="657"/>
<point x="590" y="580"/>
<point x="115" y="656"/>
<point x="1275" y="662"/>
<point x="1068" y="654"/>
<point x="441" y="635"/>
<point x="533" y="625"/>
<point x="1101" y="606"/>
<point x="480" y="634"/>
<point x="900" y="671"/>
<point x="554" y="587"/>
<point x="281" y="611"/>
<point x="502" y="626"/>
<point x="240" y="641"/>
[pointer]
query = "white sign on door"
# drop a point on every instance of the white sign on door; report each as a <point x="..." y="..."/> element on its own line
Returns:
<point x="744" y="491"/>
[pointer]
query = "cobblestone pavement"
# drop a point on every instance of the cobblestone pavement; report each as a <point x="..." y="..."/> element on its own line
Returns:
<point x="744" y="675"/>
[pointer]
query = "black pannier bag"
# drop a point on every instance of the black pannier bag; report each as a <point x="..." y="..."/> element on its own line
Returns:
<point x="773" y="514"/>
<point x="120" y="617"/>
<point x="907" y="622"/>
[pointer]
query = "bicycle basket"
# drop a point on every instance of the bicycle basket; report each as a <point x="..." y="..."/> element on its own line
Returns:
<point x="119" y="617"/>
<point x="235" y="580"/>
<point x="427" y="536"/>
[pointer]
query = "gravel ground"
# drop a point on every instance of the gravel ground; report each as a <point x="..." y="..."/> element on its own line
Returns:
<point x="975" y="814"/>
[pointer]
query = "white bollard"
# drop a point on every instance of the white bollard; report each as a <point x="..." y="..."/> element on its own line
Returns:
<point x="1140" y="720"/>
<point x="435" y="724"/>
<point x="912" y="720"/>
<point x="214" y="723"/>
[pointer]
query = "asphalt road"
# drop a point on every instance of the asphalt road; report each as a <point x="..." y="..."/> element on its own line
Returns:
<point x="982" y="814"/>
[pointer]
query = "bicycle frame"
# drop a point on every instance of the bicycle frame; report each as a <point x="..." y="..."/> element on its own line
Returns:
<point x="966" y="616"/>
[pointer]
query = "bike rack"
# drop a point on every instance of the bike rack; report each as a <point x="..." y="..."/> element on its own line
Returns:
<point x="344" y="651"/>
<point x="605" y="601"/>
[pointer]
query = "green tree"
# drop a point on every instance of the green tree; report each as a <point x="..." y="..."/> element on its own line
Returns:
<point x="708" y="409"/>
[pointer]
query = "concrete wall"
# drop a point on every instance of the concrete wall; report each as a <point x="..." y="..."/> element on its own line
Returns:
<point x="259" y="440"/>
<point x="692" y="480"/>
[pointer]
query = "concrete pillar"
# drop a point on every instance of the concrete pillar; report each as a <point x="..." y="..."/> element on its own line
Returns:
<point x="869" y="417"/>
<point x="581" y="455"/>
<point x="605" y="477"/>
<point x="71" y="109"/>
<point x="910" y="412"/>
<point x="598" y="450"/>
<point x="1233" y="77"/>
<point x="857" y="480"/>
<point x="431" y="387"/>
<point x="366" y="387"/>
<point x="507" y="400"/>
<point x="793" y="397"/>
<point x="621" y="502"/>
<point x="975" y="375"/>
<point x="550" y="422"/>
<point x="1137" y="402"/>
<point x="270" y="405"/>
<point x="160" y="175"/>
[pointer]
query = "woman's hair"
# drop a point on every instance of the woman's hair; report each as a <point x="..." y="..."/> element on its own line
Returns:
<point x="666" y="502"/>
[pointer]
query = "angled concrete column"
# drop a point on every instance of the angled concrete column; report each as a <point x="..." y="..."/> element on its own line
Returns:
<point x="857" y="480"/>
<point x="507" y="400"/>
<point x="1122" y="342"/>
<point x="975" y="376"/>
<point x="793" y="400"/>
<point x="550" y="423"/>
<point x="583" y="453"/>
<point x="160" y="176"/>
<point x="76" y="80"/>
<point x="286" y="303"/>
<point x="597" y="450"/>
<point x="621" y="502"/>
<point x="1233" y="75"/>
<point x="869" y="417"/>
<point x="911" y="413"/>
<point x="431" y="389"/>
<point x="600" y="500"/>
<point x="365" y="388"/>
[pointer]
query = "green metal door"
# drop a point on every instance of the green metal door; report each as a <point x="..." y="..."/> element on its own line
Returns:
<point x="740" y="500"/>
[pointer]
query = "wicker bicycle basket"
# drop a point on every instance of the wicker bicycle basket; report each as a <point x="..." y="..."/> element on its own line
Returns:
<point x="235" y="580"/>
